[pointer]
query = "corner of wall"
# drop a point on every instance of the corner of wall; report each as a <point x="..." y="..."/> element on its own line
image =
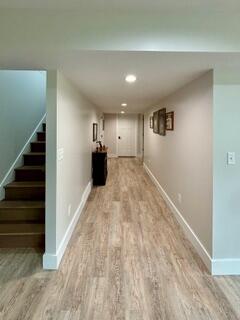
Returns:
<point x="65" y="104"/>
<point x="221" y="267"/>
<point x="51" y="261"/>
<point x="226" y="253"/>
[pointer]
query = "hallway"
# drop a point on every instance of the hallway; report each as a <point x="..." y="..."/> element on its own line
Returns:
<point x="127" y="259"/>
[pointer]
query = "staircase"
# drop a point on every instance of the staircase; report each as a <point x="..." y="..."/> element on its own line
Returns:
<point x="22" y="212"/>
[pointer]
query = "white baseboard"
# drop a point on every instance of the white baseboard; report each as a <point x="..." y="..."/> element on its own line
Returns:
<point x="215" y="266"/>
<point x="9" y="177"/>
<point x="221" y="267"/>
<point x="112" y="155"/>
<point x="186" y="227"/>
<point x="52" y="261"/>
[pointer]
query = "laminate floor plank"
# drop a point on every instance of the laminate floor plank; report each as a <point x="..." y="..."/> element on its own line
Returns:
<point x="128" y="259"/>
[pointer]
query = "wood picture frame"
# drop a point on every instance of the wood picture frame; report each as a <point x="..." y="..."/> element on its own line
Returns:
<point x="95" y="132"/>
<point x="162" y="121"/>
<point x="170" y="121"/>
<point x="155" y="122"/>
<point x="151" y="122"/>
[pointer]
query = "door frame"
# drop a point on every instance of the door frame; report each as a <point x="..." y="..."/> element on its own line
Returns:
<point x="136" y="132"/>
<point x="143" y="133"/>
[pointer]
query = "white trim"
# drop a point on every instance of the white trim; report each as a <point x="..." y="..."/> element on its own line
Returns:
<point x="18" y="161"/>
<point x="135" y="133"/>
<point x="117" y="116"/>
<point x="136" y="136"/>
<point x="225" y="267"/>
<point x="215" y="266"/>
<point x="192" y="237"/>
<point x="52" y="261"/>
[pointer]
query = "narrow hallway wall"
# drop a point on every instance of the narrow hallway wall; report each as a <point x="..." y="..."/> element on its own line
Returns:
<point x="73" y="145"/>
<point x="181" y="161"/>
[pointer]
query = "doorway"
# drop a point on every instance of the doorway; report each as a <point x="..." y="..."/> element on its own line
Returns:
<point x="127" y="135"/>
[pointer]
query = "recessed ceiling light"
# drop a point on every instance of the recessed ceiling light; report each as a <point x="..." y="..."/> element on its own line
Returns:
<point x="124" y="104"/>
<point x="122" y="112"/>
<point x="130" y="78"/>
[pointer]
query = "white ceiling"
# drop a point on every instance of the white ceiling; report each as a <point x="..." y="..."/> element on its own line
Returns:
<point x="129" y="25"/>
<point x="121" y="4"/>
<point x="100" y="75"/>
<point x="39" y="39"/>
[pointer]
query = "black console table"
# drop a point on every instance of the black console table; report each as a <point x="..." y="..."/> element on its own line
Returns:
<point x="99" y="168"/>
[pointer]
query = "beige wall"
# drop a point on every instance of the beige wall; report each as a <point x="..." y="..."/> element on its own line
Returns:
<point x="140" y="136"/>
<point x="69" y="128"/>
<point x="74" y="130"/>
<point x="181" y="161"/>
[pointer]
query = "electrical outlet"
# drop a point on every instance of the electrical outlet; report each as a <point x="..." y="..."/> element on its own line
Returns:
<point x="69" y="209"/>
<point x="179" y="198"/>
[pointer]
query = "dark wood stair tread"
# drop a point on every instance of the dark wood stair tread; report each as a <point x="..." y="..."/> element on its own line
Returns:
<point x="21" y="234"/>
<point x="22" y="212"/>
<point x="35" y="154"/>
<point x="41" y="136"/>
<point x="35" y="158"/>
<point x="39" y="142"/>
<point x="25" y="184"/>
<point x="27" y="240"/>
<point x="21" y="228"/>
<point x="22" y="204"/>
<point x="31" y="168"/>
<point x="38" y="146"/>
<point x="35" y="172"/>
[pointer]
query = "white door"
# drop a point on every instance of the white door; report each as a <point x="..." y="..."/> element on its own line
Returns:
<point x="126" y="135"/>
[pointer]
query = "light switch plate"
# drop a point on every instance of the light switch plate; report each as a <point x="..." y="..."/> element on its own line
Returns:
<point x="231" y="158"/>
<point x="60" y="154"/>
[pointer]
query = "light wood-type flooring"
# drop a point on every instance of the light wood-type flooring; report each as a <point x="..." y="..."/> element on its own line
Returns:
<point x="127" y="259"/>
